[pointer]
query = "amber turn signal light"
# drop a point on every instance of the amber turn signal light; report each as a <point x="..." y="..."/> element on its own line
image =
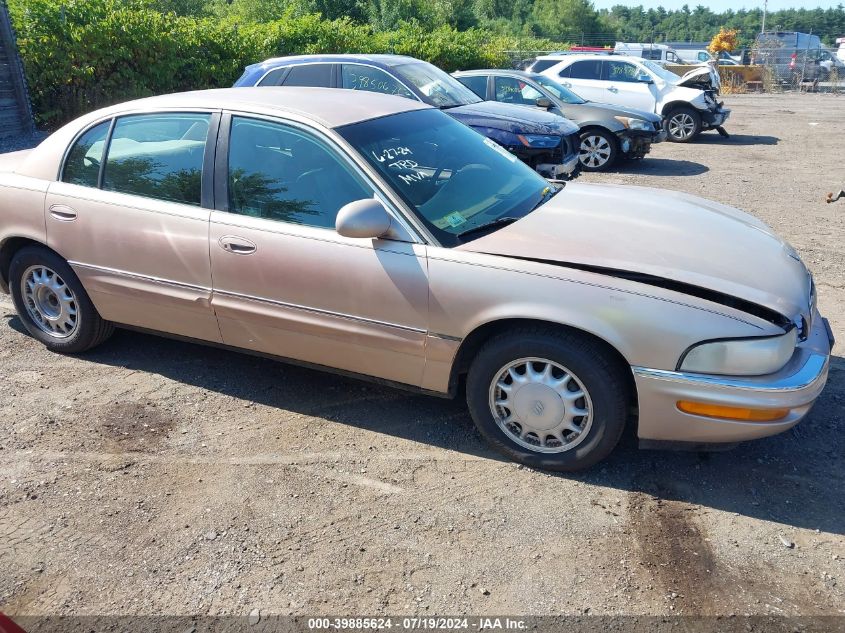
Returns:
<point x="743" y="414"/>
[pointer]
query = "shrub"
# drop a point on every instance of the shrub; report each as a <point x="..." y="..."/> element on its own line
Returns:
<point x="80" y="55"/>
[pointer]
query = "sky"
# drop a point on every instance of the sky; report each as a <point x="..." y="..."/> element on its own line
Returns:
<point x="720" y="5"/>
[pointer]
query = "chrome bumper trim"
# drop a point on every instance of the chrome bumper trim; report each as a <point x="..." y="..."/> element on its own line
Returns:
<point x="813" y="370"/>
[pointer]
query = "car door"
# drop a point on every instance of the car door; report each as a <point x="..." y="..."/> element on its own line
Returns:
<point x="285" y="282"/>
<point x="128" y="214"/>
<point x="624" y="88"/>
<point x="584" y="78"/>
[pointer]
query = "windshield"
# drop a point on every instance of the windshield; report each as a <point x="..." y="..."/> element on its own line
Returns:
<point x="455" y="179"/>
<point x="442" y="90"/>
<point x="564" y="94"/>
<point x="661" y="72"/>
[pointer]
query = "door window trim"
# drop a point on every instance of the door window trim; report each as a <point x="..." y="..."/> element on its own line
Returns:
<point x="221" y="171"/>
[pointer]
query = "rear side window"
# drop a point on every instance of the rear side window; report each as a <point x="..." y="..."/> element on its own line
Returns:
<point x="542" y="64"/>
<point x="310" y="75"/>
<point x="82" y="165"/>
<point x="477" y="84"/>
<point x="358" y="77"/>
<point x="586" y="69"/>
<point x="158" y="156"/>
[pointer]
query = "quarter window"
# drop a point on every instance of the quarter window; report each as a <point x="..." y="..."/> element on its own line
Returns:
<point x="310" y="75"/>
<point x="158" y="156"/>
<point x="358" y="77"/>
<point x="82" y="166"/>
<point x="274" y="77"/>
<point x="586" y="69"/>
<point x="282" y="173"/>
<point x="543" y="64"/>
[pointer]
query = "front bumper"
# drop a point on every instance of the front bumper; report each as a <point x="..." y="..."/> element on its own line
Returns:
<point x="714" y="118"/>
<point x="637" y="143"/>
<point x="566" y="170"/>
<point x="795" y="387"/>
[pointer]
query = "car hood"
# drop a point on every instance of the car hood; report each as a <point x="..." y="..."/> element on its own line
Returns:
<point x="704" y="75"/>
<point x="613" y="110"/>
<point x="665" y="234"/>
<point x="512" y="118"/>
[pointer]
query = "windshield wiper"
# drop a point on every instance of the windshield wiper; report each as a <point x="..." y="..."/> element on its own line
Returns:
<point x="497" y="223"/>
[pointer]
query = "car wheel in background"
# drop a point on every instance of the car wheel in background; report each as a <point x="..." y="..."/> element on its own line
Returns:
<point x="52" y="304"/>
<point x="682" y="124"/>
<point x="599" y="149"/>
<point x="549" y="399"/>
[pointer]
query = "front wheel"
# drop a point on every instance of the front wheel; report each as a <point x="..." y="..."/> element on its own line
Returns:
<point x="52" y="304"/>
<point x="548" y="399"/>
<point x="682" y="124"/>
<point x="598" y="150"/>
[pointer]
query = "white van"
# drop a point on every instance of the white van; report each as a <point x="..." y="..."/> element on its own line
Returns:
<point x="658" y="53"/>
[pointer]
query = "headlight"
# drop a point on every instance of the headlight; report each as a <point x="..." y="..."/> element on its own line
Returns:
<point x="539" y="140"/>
<point x="749" y="357"/>
<point x="635" y="124"/>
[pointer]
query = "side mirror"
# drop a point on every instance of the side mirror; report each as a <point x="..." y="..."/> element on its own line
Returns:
<point x="645" y="79"/>
<point x="544" y="102"/>
<point x="363" y="218"/>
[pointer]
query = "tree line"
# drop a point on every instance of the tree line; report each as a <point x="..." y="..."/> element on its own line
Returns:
<point x="565" y="21"/>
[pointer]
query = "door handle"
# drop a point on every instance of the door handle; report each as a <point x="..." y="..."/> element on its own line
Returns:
<point x="62" y="212"/>
<point x="237" y="245"/>
<point x="613" y="89"/>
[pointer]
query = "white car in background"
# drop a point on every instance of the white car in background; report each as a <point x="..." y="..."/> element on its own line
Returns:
<point x="687" y="104"/>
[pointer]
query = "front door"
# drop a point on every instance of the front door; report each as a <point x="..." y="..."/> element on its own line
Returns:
<point x="127" y="214"/>
<point x="624" y="87"/>
<point x="285" y="282"/>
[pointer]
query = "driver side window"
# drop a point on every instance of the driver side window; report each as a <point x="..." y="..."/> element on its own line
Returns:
<point x="620" y="71"/>
<point x="82" y="165"/>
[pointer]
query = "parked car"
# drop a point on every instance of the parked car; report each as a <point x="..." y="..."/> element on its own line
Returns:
<point x="659" y="53"/>
<point x="792" y="56"/>
<point x="386" y="239"/>
<point x="546" y="142"/>
<point x="608" y="133"/>
<point x="830" y="66"/>
<point x="687" y="104"/>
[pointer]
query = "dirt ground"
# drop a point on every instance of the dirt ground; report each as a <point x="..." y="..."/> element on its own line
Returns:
<point x="158" y="477"/>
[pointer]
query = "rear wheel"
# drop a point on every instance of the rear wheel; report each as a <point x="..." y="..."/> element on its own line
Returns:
<point x="682" y="124"/>
<point x="599" y="149"/>
<point x="52" y="303"/>
<point x="548" y="399"/>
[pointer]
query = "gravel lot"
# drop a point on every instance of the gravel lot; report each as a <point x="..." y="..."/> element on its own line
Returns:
<point x="158" y="477"/>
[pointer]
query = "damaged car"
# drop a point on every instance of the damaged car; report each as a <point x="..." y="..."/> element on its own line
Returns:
<point x="608" y="133"/>
<point x="545" y="141"/>
<point x="388" y="241"/>
<point x="689" y="105"/>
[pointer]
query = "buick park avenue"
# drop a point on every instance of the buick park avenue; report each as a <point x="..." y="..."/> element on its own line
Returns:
<point x="387" y="240"/>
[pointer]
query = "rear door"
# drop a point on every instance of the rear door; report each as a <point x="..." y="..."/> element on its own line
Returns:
<point x="285" y="282"/>
<point x="584" y="78"/>
<point x="130" y="213"/>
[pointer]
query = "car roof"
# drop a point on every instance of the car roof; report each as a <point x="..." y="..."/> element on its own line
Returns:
<point x="579" y="56"/>
<point x="499" y="71"/>
<point x="330" y="107"/>
<point x="383" y="60"/>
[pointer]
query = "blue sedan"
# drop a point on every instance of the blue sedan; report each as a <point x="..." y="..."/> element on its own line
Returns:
<point x="547" y="142"/>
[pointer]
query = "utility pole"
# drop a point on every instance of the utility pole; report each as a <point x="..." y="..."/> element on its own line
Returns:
<point x="765" y="7"/>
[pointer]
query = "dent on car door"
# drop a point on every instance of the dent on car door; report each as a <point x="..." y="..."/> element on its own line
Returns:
<point x="127" y="214"/>
<point x="285" y="282"/>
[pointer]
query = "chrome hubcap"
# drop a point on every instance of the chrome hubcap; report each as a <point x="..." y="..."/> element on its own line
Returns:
<point x="681" y="125"/>
<point x="49" y="302"/>
<point x="541" y="405"/>
<point x="595" y="151"/>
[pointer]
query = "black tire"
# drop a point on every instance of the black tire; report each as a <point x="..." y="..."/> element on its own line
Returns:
<point x="608" y="141"/>
<point x="90" y="329"/>
<point x="681" y="113"/>
<point x="602" y="376"/>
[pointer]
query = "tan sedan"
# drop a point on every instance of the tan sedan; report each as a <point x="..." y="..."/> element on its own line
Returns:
<point x="377" y="236"/>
